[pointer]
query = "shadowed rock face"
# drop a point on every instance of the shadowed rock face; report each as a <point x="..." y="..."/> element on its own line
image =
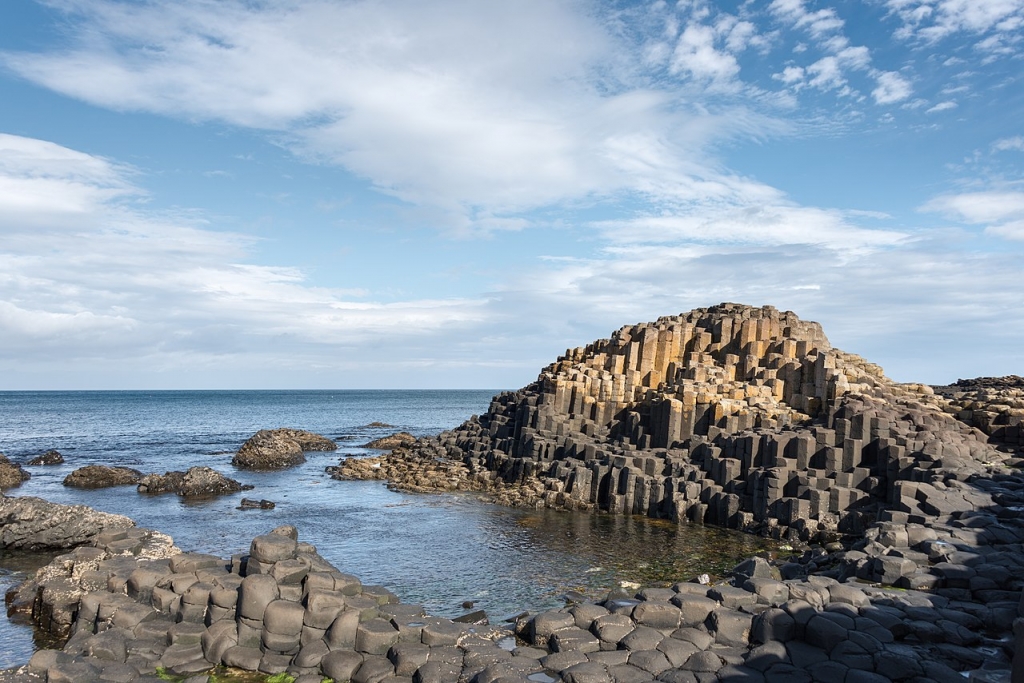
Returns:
<point x="50" y="457"/>
<point x="11" y="474"/>
<point x="731" y="415"/>
<point x="35" y="524"/>
<point x="271" y="449"/>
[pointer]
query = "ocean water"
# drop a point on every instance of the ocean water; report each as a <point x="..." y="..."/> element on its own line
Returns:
<point x="440" y="550"/>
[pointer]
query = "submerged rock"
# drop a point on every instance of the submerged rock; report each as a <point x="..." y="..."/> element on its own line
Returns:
<point x="11" y="474"/>
<point x="50" y="457"/>
<point x="196" y="482"/>
<point x="30" y="523"/>
<point x="250" y="504"/>
<point x="102" y="476"/>
<point x="392" y="441"/>
<point x="271" y="449"/>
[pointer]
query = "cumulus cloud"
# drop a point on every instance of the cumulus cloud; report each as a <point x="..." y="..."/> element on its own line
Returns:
<point x="892" y="88"/>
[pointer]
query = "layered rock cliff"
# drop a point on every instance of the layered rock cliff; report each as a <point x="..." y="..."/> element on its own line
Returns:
<point x="731" y="415"/>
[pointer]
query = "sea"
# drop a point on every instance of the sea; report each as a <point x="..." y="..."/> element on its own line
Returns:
<point x="444" y="551"/>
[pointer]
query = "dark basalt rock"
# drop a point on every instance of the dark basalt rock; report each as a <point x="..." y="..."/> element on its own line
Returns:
<point x="251" y="504"/>
<point x="50" y="457"/>
<point x="195" y="483"/>
<point x="271" y="449"/>
<point x="11" y="474"/>
<point x="102" y="476"/>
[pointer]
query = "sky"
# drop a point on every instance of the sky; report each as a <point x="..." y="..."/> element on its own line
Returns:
<point x="204" y="194"/>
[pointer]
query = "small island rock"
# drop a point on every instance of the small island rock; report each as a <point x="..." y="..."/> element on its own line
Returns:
<point x="196" y="482"/>
<point x="11" y="474"/>
<point x="102" y="476"/>
<point x="392" y="441"/>
<point x="50" y="457"/>
<point x="271" y="449"/>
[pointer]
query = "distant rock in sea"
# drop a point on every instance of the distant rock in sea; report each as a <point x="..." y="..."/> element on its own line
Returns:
<point x="197" y="482"/>
<point x="50" y="457"/>
<point x="102" y="476"/>
<point x="271" y="449"/>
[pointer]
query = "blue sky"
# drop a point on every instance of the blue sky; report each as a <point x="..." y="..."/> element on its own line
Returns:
<point x="360" y="194"/>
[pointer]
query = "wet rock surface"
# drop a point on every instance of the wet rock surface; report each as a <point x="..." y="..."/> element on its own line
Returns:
<point x="11" y="474"/>
<point x="278" y="448"/>
<point x="102" y="476"/>
<point x="197" y="482"/>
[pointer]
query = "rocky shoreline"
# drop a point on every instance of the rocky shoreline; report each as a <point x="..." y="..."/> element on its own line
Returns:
<point x="904" y="503"/>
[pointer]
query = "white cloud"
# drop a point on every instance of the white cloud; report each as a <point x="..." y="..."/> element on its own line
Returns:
<point x="930" y="21"/>
<point x="476" y="112"/>
<point x="941" y="106"/>
<point x="818" y="23"/>
<point x="1000" y="211"/>
<point x="770" y="224"/>
<point x="1015" y="143"/>
<point x="980" y="207"/>
<point x="892" y="88"/>
<point x="92" y="275"/>
<point x="695" y="54"/>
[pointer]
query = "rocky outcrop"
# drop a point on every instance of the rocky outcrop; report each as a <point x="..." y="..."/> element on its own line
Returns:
<point x="736" y="416"/>
<point x="11" y="474"/>
<point x="35" y="524"/>
<point x="271" y="449"/>
<point x="994" y="405"/>
<point x="740" y="417"/>
<point x="282" y="608"/>
<point x="102" y="476"/>
<point x="50" y="457"/>
<point x="392" y="441"/>
<point x="197" y="482"/>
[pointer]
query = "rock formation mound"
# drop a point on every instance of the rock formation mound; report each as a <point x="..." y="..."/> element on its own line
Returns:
<point x="731" y="415"/>
<point x="271" y="449"/>
<point x="102" y="476"/>
<point x="11" y="474"/>
<point x="197" y="482"/>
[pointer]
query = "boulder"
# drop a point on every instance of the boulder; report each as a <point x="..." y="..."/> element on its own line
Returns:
<point x="11" y="475"/>
<point x="50" y="457"/>
<point x="102" y="476"/>
<point x="392" y="441"/>
<point x="35" y="524"/>
<point x="270" y="449"/>
<point x="196" y="482"/>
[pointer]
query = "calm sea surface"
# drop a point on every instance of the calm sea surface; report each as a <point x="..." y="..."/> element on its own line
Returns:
<point x="438" y="550"/>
